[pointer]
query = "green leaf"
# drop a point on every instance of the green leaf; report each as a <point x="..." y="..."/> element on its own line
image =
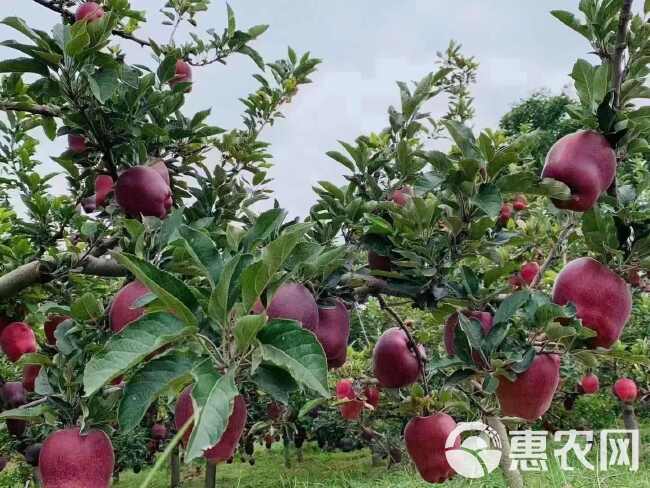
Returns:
<point x="34" y="413"/>
<point x="24" y="65"/>
<point x="218" y="307"/>
<point x="231" y="21"/>
<point x="204" y="252"/>
<point x="128" y="348"/>
<point x="49" y="127"/>
<point x="103" y="84"/>
<point x="472" y="329"/>
<point x="296" y="350"/>
<point x="87" y="308"/>
<point x="275" y="381"/>
<point x="311" y="405"/>
<point x="599" y="230"/>
<point x="212" y="418"/>
<point x="265" y="225"/>
<point x="34" y="358"/>
<point x="554" y="189"/>
<point x="570" y="20"/>
<point x="171" y="291"/>
<point x="167" y="69"/>
<point x="337" y="156"/>
<point x="75" y="46"/>
<point x="510" y="305"/>
<point x="246" y="329"/>
<point x="489" y="200"/>
<point x="148" y="384"/>
<point x="463" y="138"/>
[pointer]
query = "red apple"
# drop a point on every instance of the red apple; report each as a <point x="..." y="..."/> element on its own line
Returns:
<point x="89" y="11"/>
<point x="16" y="427"/>
<point x="294" y="301"/>
<point x="69" y="459"/>
<point x="505" y="214"/>
<point x="142" y="191"/>
<point x="352" y="409"/>
<point x="373" y="395"/>
<point x="586" y="163"/>
<point x="13" y="394"/>
<point x="425" y="439"/>
<point x="590" y="383"/>
<point x="103" y="187"/>
<point x="225" y="448"/>
<point x="77" y="143"/>
<point x="161" y="168"/>
<point x="394" y="363"/>
<point x="123" y="311"/>
<point x="274" y="410"/>
<point x="402" y="196"/>
<point x="485" y="319"/>
<point x="17" y="339"/>
<point x="520" y="203"/>
<point x="531" y="394"/>
<point x="183" y="73"/>
<point x="625" y="390"/>
<point x="158" y="432"/>
<point x="333" y="333"/>
<point x="602" y="299"/>
<point x="30" y="372"/>
<point x="52" y="322"/>
<point x="529" y="272"/>
<point x="379" y="262"/>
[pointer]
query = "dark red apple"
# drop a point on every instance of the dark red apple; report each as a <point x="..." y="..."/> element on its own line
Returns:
<point x="123" y="311"/>
<point x="529" y="272"/>
<point x="484" y="318"/>
<point x="30" y="372"/>
<point x="77" y="143"/>
<point x="333" y="333"/>
<point x="379" y="262"/>
<point x="142" y="191"/>
<point x="352" y="409"/>
<point x="52" y="322"/>
<point x="602" y="299"/>
<point x="32" y="454"/>
<point x="590" y="384"/>
<point x="158" y="432"/>
<point x="520" y="203"/>
<point x="17" y="339"/>
<point x="13" y="394"/>
<point x="16" y="427"/>
<point x="294" y="301"/>
<point x="183" y="73"/>
<point x="425" y="439"/>
<point x="586" y="163"/>
<point x="227" y="445"/>
<point x="161" y="168"/>
<point x="505" y="214"/>
<point x="69" y="459"/>
<point x="531" y="394"/>
<point x="625" y="390"/>
<point x="394" y="363"/>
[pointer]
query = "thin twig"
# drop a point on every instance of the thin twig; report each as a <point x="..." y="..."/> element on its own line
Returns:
<point x="619" y="51"/>
<point x="45" y="110"/>
<point x="554" y="250"/>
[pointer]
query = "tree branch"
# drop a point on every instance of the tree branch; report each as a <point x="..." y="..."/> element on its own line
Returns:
<point x="619" y="51"/>
<point x="551" y="255"/>
<point x="46" y="110"/>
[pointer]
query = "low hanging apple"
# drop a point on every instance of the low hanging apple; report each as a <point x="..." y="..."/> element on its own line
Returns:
<point x="395" y="365"/>
<point x="158" y="432"/>
<point x="13" y="394"/>
<point x="182" y="74"/>
<point x="529" y="272"/>
<point x="123" y="310"/>
<point x="70" y="459"/>
<point x="294" y="301"/>
<point x="590" y="384"/>
<point x="350" y="410"/>
<point x="141" y="190"/>
<point x="586" y="163"/>
<point x="30" y="372"/>
<point x="333" y="333"/>
<point x="77" y="143"/>
<point x="505" y="214"/>
<point x="425" y="439"/>
<point x="520" y="203"/>
<point x="602" y="299"/>
<point x="625" y="390"/>
<point x="373" y="396"/>
<point x="530" y="395"/>
<point x="17" y="339"/>
<point x="401" y="196"/>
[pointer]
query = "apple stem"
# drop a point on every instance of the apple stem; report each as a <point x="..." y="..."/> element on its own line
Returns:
<point x="412" y="344"/>
<point x="210" y="475"/>
<point x="513" y="476"/>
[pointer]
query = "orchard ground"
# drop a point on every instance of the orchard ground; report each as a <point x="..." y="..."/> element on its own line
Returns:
<point x="355" y="470"/>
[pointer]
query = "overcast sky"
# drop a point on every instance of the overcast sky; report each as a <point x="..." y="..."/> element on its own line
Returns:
<point x="365" y="45"/>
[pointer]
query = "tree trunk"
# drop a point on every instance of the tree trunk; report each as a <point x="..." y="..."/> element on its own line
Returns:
<point x="37" y="478"/>
<point x="513" y="476"/>
<point x="175" y="469"/>
<point x="287" y="451"/>
<point x="629" y="418"/>
<point x="299" y="455"/>
<point x="210" y="475"/>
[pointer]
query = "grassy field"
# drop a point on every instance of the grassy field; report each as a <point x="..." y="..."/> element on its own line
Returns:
<point x="354" y="470"/>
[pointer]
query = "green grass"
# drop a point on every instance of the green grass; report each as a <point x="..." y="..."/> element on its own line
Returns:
<point x="354" y="470"/>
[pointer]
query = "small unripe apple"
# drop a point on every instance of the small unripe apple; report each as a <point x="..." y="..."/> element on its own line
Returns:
<point x="182" y="74"/>
<point x="586" y="163"/>
<point x="425" y="439"/>
<point x="402" y="196"/>
<point x="379" y="262"/>
<point x="520" y="203"/>
<point x="17" y="339"/>
<point x="602" y="299"/>
<point x="142" y="191"/>
<point x="89" y="11"/>
<point x="352" y="409"/>
<point x="333" y="332"/>
<point x="123" y="311"/>
<point x="69" y="459"/>
<point x="505" y="214"/>
<point x="394" y="363"/>
<point x="13" y="394"/>
<point x="294" y="301"/>
<point x="625" y="390"/>
<point x="77" y="143"/>
<point x="50" y="326"/>
<point x="158" y="432"/>
<point x="30" y="372"/>
<point x="531" y="394"/>
<point x="529" y="272"/>
<point x="590" y="384"/>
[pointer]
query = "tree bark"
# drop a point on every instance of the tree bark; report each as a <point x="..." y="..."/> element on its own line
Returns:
<point x="513" y="476"/>
<point x="629" y="418"/>
<point x="210" y="475"/>
<point x="175" y="469"/>
<point x="619" y="50"/>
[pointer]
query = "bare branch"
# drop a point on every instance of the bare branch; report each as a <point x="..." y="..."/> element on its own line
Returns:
<point x="619" y="50"/>
<point x="46" y="110"/>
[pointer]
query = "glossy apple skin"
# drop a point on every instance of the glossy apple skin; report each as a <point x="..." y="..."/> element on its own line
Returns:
<point x="52" y="322"/>
<point x="227" y="445"/>
<point x="590" y="384"/>
<point x="334" y="332"/>
<point x="586" y="163"/>
<point x="77" y="143"/>
<point x="395" y="365"/>
<point x="379" y="262"/>
<point x="602" y="299"/>
<point x="529" y="272"/>
<point x="30" y="372"/>
<point x="625" y="390"/>
<point x="122" y="311"/>
<point x="17" y="339"/>
<point x="294" y="301"/>
<point x="142" y="191"/>
<point x="183" y="73"/>
<point x="13" y="394"/>
<point x="345" y="391"/>
<point x="161" y="168"/>
<point x="484" y="318"/>
<point x="531" y="394"/>
<point x="89" y="11"/>
<point x="71" y="460"/>
<point x="425" y="439"/>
